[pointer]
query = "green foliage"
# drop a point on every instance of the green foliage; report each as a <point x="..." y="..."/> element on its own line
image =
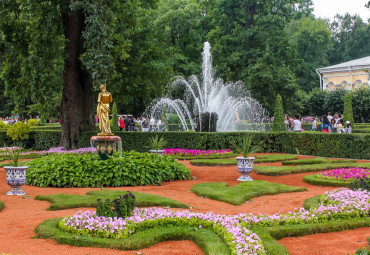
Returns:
<point x="15" y="156"/>
<point x="67" y="201"/>
<point x="311" y="38"/>
<point x="360" y="183"/>
<point x="361" y="104"/>
<point x="238" y="194"/>
<point x="283" y="170"/>
<point x="207" y="240"/>
<point x="245" y="148"/>
<point x="315" y="102"/>
<point x="3" y="125"/>
<point x="42" y="119"/>
<point x="114" y="121"/>
<point x="33" y="122"/>
<point x="316" y="180"/>
<point x="278" y="124"/>
<point x="120" y="207"/>
<point x="308" y="161"/>
<point x="157" y="143"/>
<point x="1" y="205"/>
<point x="312" y="202"/>
<point x="86" y="170"/>
<point x="348" y="112"/>
<point x="335" y="101"/>
<point x="18" y="131"/>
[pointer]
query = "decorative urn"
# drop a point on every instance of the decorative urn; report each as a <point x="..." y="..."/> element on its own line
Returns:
<point x="16" y="178"/>
<point x="245" y="167"/>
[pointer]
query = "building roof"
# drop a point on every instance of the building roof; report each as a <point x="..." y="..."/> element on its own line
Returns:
<point x="356" y="64"/>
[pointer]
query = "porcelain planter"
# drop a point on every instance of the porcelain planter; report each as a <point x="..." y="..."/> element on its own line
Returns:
<point x="245" y="167"/>
<point x="15" y="178"/>
<point x="158" y="152"/>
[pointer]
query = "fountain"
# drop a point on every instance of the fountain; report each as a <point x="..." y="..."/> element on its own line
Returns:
<point x="211" y="105"/>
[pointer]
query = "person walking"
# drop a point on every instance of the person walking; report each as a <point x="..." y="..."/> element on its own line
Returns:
<point x="145" y="124"/>
<point x="314" y="125"/>
<point x="297" y="125"/>
<point x="332" y="128"/>
<point x="151" y="124"/>
<point x="126" y="121"/>
<point x="121" y="124"/>
<point x="159" y="125"/>
<point x="325" y="124"/>
<point x="132" y="124"/>
<point x="287" y="123"/>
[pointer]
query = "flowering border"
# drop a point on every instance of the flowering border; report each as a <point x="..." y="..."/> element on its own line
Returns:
<point x="338" y="204"/>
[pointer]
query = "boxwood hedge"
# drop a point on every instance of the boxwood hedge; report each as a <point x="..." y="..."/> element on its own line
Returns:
<point x="308" y="143"/>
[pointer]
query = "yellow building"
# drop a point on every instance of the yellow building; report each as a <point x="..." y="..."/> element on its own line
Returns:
<point x="349" y="75"/>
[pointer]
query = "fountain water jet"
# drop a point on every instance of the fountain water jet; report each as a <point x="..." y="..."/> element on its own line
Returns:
<point x="230" y="102"/>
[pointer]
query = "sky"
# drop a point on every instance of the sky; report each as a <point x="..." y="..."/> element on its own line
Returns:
<point x="329" y="8"/>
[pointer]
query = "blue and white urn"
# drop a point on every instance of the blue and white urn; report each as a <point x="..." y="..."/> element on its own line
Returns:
<point x="245" y="167"/>
<point x="15" y="178"/>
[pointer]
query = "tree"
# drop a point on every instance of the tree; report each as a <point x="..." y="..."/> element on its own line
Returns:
<point x="53" y="47"/>
<point x="315" y="102"/>
<point x="348" y="112"/>
<point x="361" y="105"/>
<point x="250" y="44"/>
<point x="114" y="121"/>
<point x="42" y="119"/>
<point x="312" y="40"/>
<point x="278" y="124"/>
<point x="335" y="101"/>
<point x="351" y="38"/>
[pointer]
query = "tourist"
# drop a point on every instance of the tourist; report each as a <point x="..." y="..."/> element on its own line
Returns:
<point x="121" y="124"/>
<point x="329" y="117"/>
<point x="126" y="122"/>
<point x="348" y="127"/>
<point x="297" y="125"/>
<point x="340" y="126"/>
<point x="145" y="125"/>
<point x="151" y="124"/>
<point x="159" y="125"/>
<point x="287" y="122"/>
<point x="314" y="125"/>
<point x="325" y="124"/>
<point x="132" y="124"/>
<point x="332" y="128"/>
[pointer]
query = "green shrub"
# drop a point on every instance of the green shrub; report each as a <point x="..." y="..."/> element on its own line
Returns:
<point x="33" y="122"/>
<point x="18" y="131"/>
<point x="114" y="121"/>
<point x="348" y="112"/>
<point x="3" y="125"/>
<point x="42" y="119"/>
<point x="87" y="170"/>
<point x="120" y="207"/>
<point x="278" y="124"/>
<point x="1" y="205"/>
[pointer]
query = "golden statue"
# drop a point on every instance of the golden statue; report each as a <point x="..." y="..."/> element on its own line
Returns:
<point x="103" y="111"/>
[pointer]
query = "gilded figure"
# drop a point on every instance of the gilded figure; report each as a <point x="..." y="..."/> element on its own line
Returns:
<point x="103" y="111"/>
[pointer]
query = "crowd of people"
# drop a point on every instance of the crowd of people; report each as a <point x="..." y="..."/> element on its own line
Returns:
<point x="130" y="124"/>
<point x="329" y="124"/>
<point x="15" y="118"/>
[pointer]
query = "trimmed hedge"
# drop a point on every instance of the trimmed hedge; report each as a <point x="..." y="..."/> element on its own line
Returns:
<point x="316" y="180"/>
<point x="308" y="143"/>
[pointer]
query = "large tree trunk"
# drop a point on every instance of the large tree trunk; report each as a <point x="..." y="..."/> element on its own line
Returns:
<point x="76" y="108"/>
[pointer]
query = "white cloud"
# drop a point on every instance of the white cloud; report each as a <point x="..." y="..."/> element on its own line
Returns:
<point x="329" y="8"/>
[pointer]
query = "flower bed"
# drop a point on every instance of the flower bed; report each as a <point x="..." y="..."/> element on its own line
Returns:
<point x="345" y="174"/>
<point x="338" y="204"/>
<point x="55" y="150"/>
<point x="196" y="153"/>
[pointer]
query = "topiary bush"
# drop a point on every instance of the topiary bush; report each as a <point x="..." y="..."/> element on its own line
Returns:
<point x="87" y="170"/>
<point x="18" y="131"/>
<point x="33" y="122"/>
<point x="278" y="124"/>
<point x="114" y="121"/>
<point x="42" y="119"/>
<point x="348" y="112"/>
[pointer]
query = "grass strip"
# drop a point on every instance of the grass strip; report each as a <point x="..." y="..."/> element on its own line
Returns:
<point x="312" y="202"/>
<point x="1" y="205"/>
<point x="269" y="236"/>
<point x="308" y="161"/>
<point x="206" y="239"/>
<point x="316" y="180"/>
<point x="238" y="194"/>
<point x="283" y="170"/>
<point x="206" y="157"/>
<point x="229" y="162"/>
<point x="67" y="201"/>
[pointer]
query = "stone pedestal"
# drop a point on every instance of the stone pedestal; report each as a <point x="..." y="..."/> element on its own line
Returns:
<point x="106" y="145"/>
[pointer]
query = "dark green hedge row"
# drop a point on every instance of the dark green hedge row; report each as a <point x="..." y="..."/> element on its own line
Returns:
<point x="308" y="143"/>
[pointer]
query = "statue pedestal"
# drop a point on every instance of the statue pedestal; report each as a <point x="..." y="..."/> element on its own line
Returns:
<point x="106" y="145"/>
